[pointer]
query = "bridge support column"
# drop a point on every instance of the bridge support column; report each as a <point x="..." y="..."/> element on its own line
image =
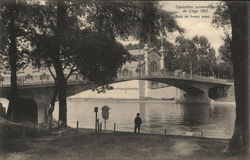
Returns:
<point x="143" y="89"/>
<point x="188" y="97"/>
<point x="42" y="107"/>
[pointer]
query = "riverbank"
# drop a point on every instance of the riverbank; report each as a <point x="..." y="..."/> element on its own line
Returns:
<point x="65" y="144"/>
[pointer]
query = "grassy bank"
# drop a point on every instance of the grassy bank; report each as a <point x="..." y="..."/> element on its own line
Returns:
<point x="67" y="145"/>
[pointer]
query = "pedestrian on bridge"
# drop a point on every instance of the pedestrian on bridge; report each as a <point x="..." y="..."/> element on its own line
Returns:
<point x="138" y="123"/>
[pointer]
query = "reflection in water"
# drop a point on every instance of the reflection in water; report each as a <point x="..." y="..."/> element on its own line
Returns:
<point x="178" y="119"/>
<point x="142" y="109"/>
<point x="195" y="114"/>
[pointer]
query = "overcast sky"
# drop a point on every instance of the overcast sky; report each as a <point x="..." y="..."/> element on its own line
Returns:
<point x="194" y="26"/>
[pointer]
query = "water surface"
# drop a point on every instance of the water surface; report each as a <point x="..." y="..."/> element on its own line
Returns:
<point x="214" y="120"/>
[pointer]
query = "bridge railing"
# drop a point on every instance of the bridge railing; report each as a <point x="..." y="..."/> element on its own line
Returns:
<point x="134" y="75"/>
<point x="177" y="75"/>
<point x="41" y="82"/>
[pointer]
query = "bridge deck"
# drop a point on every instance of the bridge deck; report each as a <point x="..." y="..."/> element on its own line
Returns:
<point x="185" y="77"/>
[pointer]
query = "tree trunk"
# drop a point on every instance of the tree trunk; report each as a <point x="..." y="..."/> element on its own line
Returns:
<point x="52" y="104"/>
<point x="62" y="82"/>
<point x="13" y="65"/>
<point x="62" y="93"/>
<point x="239" y="20"/>
<point x="212" y="72"/>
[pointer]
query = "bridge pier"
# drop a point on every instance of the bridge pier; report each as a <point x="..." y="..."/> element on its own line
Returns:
<point x="42" y="107"/>
<point x="189" y="97"/>
<point x="143" y="89"/>
<point x="42" y="97"/>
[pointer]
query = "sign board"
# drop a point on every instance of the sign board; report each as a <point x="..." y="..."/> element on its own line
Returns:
<point x="105" y="112"/>
<point x="96" y="109"/>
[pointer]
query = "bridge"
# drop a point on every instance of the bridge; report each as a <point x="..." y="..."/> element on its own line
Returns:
<point x="196" y="89"/>
<point x="35" y="93"/>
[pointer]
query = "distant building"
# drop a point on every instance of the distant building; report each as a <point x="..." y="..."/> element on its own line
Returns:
<point x="147" y="62"/>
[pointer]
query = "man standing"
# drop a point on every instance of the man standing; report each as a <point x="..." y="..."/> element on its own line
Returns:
<point x="137" y="122"/>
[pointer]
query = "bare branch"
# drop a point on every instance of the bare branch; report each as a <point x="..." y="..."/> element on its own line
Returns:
<point x="70" y="73"/>
<point x="51" y="72"/>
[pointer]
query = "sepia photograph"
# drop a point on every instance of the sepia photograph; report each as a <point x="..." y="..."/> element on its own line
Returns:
<point x="124" y="80"/>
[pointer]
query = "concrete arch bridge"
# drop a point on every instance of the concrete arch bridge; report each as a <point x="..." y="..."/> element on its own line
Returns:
<point x="197" y="89"/>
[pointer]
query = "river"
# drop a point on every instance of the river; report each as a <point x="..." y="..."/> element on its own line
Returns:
<point x="215" y="120"/>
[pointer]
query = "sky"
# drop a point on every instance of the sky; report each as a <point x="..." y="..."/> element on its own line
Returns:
<point x="194" y="26"/>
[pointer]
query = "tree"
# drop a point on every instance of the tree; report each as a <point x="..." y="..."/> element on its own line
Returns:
<point x="221" y="17"/>
<point x="186" y="54"/>
<point x="225" y="65"/>
<point x="238" y="10"/>
<point x="225" y="50"/>
<point x="235" y="14"/>
<point x="196" y="55"/>
<point x="13" y="31"/>
<point x="224" y="70"/>
<point x="205" y="54"/>
<point x="54" y="23"/>
<point x="93" y="60"/>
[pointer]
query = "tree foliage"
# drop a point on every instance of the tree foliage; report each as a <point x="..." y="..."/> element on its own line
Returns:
<point x="94" y="52"/>
<point x="50" y="31"/>
<point x="225" y="50"/>
<point x="13" y="44"/>
<point x="195" y="55"/>
<point x="221" y="17"/>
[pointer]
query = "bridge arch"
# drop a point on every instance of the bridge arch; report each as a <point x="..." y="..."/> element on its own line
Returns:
<point x="187" y="88"/>
<point x="217" y="92"/>
<point x="26" y="110"/>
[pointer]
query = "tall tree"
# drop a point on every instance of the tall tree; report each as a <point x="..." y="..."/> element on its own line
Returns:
<point x="225" y="50"/>
<point x="205" y="54"/>
<point x="225" y="65"/>
<point x="236" y="15"/>
<point x="186" y="54"/>
<point x="115" y="19"/>
<point x="13" y="31"/>
<point x="238" y="10"/>
<point x="196" y="55"/>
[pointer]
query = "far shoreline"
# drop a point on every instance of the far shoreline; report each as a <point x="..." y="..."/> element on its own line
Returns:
<point x="229" y="100"/>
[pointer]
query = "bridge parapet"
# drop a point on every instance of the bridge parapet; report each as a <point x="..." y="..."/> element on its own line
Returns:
<point x="134" y="76"/>
<point x="175" y="75"/>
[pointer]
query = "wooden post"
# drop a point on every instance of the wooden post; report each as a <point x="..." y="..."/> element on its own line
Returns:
<point x="98" y="125"/>
<point x="95" y="121"/>
<point x="77" y="127"/>
<point x="105" y="124"/>
<point x="114" y="127"/>
<point x="101" y="126"/>
<point x="201" y="134"/>
<point x="96" y="110"/>
<point x="165" y="132"/>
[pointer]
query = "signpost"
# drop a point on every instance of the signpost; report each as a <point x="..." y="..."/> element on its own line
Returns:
<point x="105" y="114"/>
<point x="96" y="110"/>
